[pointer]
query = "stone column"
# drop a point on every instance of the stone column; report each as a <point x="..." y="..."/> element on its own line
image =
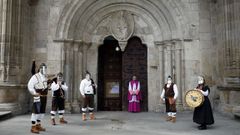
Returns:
<point x="11" y="47"/>
<point x="5" y="19"/>
<point x="161" y="66"/>
<point x="84" y="58"/>
<point x="170" y="63"/>
<point x="160" y="47"/>
<point x="179" y="77"/>
<point x="78" y="60"/>
<point x="167" y="60"/>
<point x="161" y="53"/>
<point x="72" y="67"/>
<point x="68" y="72"/>
<point x="3" y="9"/>
<point x="11" y="34"/>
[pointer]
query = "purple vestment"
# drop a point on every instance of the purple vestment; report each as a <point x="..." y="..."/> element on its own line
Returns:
<point x="134" y="96"/>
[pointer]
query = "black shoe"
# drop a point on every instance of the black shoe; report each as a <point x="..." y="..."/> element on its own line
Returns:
<point x="202" y="127"/>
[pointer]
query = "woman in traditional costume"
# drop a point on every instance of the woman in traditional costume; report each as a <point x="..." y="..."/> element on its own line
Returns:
<point x="203" y="114"/>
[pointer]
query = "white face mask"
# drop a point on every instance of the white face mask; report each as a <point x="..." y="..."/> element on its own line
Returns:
<point x="43" y="70"/>
<point x="60" y="79"/>
<point x="200" y="80"/>
<point x="88" y="77"/>
<point x="169" y="81"/>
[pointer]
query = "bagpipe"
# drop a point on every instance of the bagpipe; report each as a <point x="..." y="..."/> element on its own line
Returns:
<point x="43" y="87"/>
<point x="92" y="83"/>
<point x="93" y="86"/>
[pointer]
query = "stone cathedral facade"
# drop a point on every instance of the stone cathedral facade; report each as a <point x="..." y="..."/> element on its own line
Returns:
<point x="115" y="39"/>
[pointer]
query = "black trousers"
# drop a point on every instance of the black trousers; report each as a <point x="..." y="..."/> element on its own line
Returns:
<point x="58" y="103"/>
<point x="88" y="103"/>
<point x="40" y="107"/>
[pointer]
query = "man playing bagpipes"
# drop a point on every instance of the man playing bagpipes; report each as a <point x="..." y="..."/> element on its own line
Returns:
<point x="38" y="87"/>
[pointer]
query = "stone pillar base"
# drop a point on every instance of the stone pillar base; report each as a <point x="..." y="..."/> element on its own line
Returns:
<point x="75" y="107"/>
<point x="187" y="108"/>
<point x="180" y="107"/>
<point x="67" y="107"/>
<point x="14" y="98"/>
<point x="236" y="111"/>
<point x="13" y="107"/>
<point x="161" y="108"/>
<point x="229" y="103"/>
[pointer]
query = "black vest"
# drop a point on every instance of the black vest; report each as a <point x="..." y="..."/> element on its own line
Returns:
<point x="59" y="93"/>
<point x="169" y="92"/>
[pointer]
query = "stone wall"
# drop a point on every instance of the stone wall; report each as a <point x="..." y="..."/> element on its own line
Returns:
<point x="185" y="38"/>
<point x="184" y="25"/>
<point x="225" y="33"/>
<point x="15" y="55"/>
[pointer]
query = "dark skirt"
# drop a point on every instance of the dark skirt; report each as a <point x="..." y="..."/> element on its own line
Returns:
<point x="203" y="114"/>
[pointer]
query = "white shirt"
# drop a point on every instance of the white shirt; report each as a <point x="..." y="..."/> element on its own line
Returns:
<point x="35" y="79"/>
<point x="86" y="87"/>
<point x="204" y="93"/>
<point x="55" y="86"/>
<point x="175" y="89"/>
<point x="134" y="88"/>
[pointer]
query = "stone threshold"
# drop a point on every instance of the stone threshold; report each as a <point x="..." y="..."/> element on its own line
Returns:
<point x="5" y="115"/>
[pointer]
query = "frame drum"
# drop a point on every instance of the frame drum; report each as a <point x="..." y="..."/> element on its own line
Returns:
<point x="194" y="98"/>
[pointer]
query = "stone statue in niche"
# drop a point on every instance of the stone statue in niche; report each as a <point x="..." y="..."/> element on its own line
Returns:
<point x="122" y="25"/>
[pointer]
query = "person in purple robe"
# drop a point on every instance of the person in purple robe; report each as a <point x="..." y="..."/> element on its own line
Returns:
<point x="134" y="95"/>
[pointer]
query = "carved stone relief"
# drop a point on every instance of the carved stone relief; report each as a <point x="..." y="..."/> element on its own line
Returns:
<point x="122" y="25"/>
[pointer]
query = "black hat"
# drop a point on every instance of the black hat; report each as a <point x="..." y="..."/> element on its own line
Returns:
<point x="60" y="74"/>
<point x="169" y="77"/>
<point x="43" y="65"/>
<point x="87" y="72"/>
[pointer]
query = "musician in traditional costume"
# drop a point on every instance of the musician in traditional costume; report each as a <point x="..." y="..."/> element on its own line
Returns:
<point x="87" y="89"/>
<point x="59" y="89"/>
<point x="38" y="87"/>
<point x="203" y="114"/>
<point x="169" y="95"/>
<point x="134" y="95"/>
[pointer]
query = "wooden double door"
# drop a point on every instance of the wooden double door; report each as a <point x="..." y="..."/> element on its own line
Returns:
<point x="115" y="70"/>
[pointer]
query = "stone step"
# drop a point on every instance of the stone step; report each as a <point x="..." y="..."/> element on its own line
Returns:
<point x="5" y="115"/>
<point x="236" y="111"/>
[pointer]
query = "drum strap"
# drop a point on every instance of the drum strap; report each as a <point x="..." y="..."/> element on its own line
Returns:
<point x="39" y="78"/>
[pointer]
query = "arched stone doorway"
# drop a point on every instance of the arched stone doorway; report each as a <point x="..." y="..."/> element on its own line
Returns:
<point x="115" y="70"/>
<point x="160" y="28"/>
